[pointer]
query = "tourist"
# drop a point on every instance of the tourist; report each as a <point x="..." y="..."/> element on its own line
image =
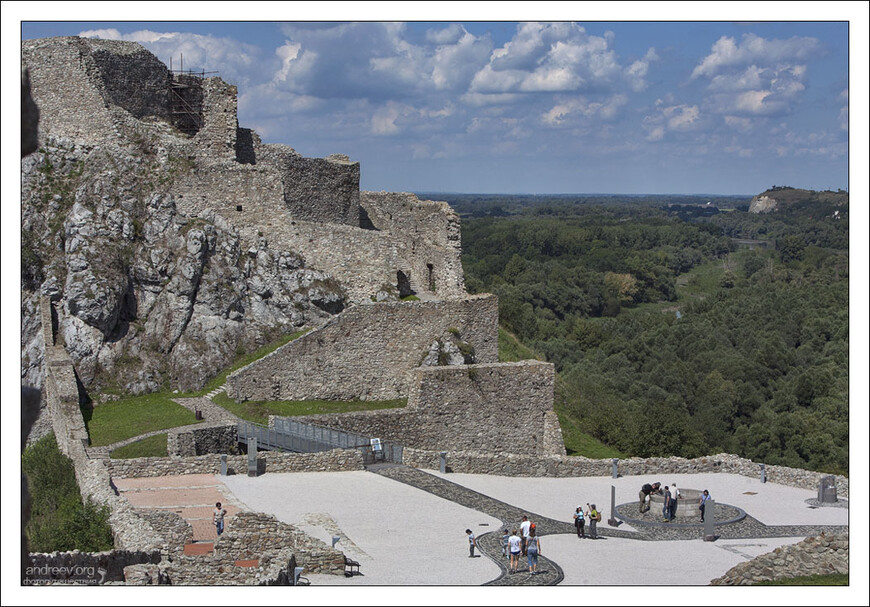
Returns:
<point x="702" y="503"/>
<point x="504" y="544"/>
<point x="645" y="495"/>
<point x="666" y="507"/>
<point x="524" y="531"/>
<point x="514" y="542"/>
<point x="594" y="516"/>
<point x="219" y="514"/>
<point x="533" y="549"/>
<point x="580" y="522"/>
<point x="675" y="496"/>
<point x="472" y="543"/>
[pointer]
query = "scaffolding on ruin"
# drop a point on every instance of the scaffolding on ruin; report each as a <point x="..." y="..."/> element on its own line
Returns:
<point x="185" y="97"/>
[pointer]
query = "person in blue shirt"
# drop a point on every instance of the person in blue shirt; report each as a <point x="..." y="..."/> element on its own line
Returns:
<point x="702" y="503"/>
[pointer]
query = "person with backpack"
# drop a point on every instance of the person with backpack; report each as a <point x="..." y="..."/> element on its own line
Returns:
<point x="580" y="522"/>
<point x="533" y="549"/>
<point x="594" y="517"/>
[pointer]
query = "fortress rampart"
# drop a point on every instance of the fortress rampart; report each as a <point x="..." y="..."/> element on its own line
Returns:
<point x="485" y="407"/>
<point x="367" y="351"/>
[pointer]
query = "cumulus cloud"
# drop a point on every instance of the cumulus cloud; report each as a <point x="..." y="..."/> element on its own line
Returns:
<point x="570" y="111"/>
<point x="757" y="77"/>
<point x="727" y="53"/>
<point x="558" y="57"/>
<point x="670" y="119"/>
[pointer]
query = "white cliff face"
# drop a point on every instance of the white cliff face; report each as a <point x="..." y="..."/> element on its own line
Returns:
<point x="762" y="204"/>
<point x="151" y="297"/>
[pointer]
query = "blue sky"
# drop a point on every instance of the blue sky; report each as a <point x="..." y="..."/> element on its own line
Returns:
<point x="717" y="107"/>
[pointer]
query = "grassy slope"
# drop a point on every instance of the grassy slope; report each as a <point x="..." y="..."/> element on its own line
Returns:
<point x="153" y="446"/>
<point x="134" y="415"/>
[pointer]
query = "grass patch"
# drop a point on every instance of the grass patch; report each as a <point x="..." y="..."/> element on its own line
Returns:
<point x="153" y="446"/>
<point x="59" y="519"/>
<point x="410" y="298"/>
<point x="134" y="415"/>
<point x="510" y="349"/>
<point x="259" y="411"/>
<point x="834" y="579"/>
<point x="578" y="442"/>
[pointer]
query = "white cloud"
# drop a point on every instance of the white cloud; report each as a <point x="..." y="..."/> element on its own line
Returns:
<point x="569" y="111"/>
<point x="558" y="57"/>
<point x="727" y="53"/>
<point x="447" y="36"/>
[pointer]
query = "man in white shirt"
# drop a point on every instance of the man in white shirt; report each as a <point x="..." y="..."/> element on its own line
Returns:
<point x="524" y="530"/>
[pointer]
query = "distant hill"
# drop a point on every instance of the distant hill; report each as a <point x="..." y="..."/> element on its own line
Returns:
<point x="779" y="197"/>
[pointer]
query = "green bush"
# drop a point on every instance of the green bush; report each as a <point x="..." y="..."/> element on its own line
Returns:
<point x="59" y="519"/>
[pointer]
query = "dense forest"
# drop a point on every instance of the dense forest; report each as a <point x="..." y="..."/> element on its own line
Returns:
<point x="668" y="336"/>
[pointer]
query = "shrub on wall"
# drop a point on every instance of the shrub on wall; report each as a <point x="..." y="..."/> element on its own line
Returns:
<point x="59" y="519"/>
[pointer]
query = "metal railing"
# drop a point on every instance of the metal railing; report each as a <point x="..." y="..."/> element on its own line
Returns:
<point x="290" y="435"/>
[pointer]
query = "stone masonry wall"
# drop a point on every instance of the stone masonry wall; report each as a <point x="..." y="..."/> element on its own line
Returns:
<point x="511" y="464"/>
<point x="820" y="555"/>
<point x="336" y="460"/>
<point x="66" y="86"/>
<point x="367" y="351"/>
<point x="132" y="77"/>
<point x="430" y="238"/>
<point x="485" y="407"/>
<point x="86" y="568"/>
<point x="324" y="190"/>
<point x="216" y="139"/>
<point x="202" y="440"/>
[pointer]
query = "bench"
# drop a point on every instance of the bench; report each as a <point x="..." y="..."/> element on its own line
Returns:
<point x="349" y="567"/>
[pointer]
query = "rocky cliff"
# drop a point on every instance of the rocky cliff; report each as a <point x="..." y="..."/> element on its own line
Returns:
<point x="781" y="197"/>
<point x="171" y="240"/>
<point x="149" y="296"/>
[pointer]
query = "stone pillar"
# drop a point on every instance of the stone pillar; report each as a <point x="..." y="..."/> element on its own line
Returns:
<point x="615" y="471"/>
<point x="613" y="521"/>
<point x="223" y="464"/>
<point x="828" y="490"/>
<point x="763" y="474"/>
<point x="709" y="519"/>
<point x="252" y="456"/>
<point x="443" y="464"/>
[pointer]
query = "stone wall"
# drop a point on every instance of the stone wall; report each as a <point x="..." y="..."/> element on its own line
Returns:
<point x="268" y="461"/>
<point x="430" y="239"/>
<point x="324" y="190"/>
<point x="367" y="351"/>
<point x="66" y="86"/>
<point x="512" y="464"/>
<point x="132" y="77"/>
<point x="485" y="407"/>
<point x="202" y="440"/>
<point x="253" y="536"/>
<point x="85" y="568"/>
<point x="216" y="139"/>
<point x="820" y="555"/>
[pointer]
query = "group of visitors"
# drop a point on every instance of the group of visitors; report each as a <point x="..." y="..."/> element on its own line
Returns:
<point x="580" y="517"/>
<point x="522" y="542"/>
<point x="671" y="495"/>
